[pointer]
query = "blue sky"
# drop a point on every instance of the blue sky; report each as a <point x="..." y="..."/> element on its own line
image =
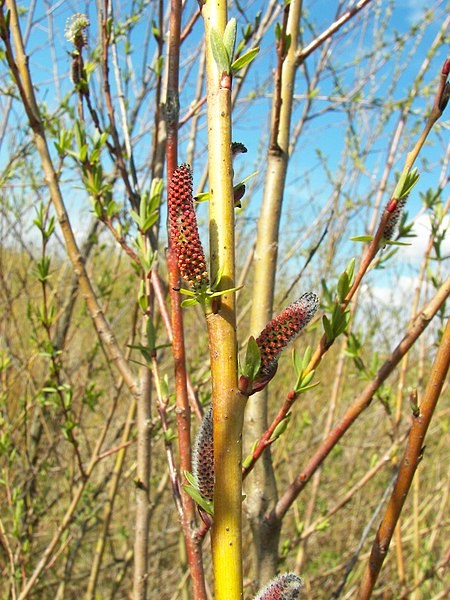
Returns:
<point x="318" y="158"/>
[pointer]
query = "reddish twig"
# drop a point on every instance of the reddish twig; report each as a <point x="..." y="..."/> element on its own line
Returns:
<point x="361" y="403"/>
<point x="422" y="416"/>
<point x="188" y="509"/>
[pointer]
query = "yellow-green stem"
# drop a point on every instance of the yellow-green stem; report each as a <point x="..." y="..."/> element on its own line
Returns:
<point x="228" y="404"/>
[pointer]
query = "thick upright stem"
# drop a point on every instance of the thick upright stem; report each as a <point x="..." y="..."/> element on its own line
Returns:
<point x="261" y="492"/>
<point x="228" y="404"/>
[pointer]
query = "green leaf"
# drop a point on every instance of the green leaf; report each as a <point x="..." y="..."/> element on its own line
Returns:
<point x="343" y="286"/>
<point x="278" y="31"/>
<point x="252" y="359"/>
<point x="189" y="302"/>
<point x="186" y="292"/>
<point x="222" y="292"/>
<point x="219" y="52"/>
<point x="306" y="357"/>
<point x="341" y="323"/>
<point x="297" y="363"/>
<point x="327" y="328"/>
<point x="280" y="428"/>
<point x="308" y="378"/>
<point x="244" y="60"/>
<point x="406" y="183"/>
<point x="198" y="499"/>
<point x="83" y="152"/>
<point x="229" y="38"/>
<point x="165" y="386"/>
<point x="249" y="458"/>
<point x="362" y="238"/>
<point x="191" y="479"/>
<point x="306" y="388"/>
<point x="202" y="197"/>
<point x="350" y="270"/>
<point x="194" y="493"/>
<point x="325" y="524"/>
<point x="136" y="218"/>
<point x="246" y="179"/>
<point x="151" y="335"/>
<point x="247" y="461"/>
<point x="217" y="277"/>
<point x="394" y="243"/>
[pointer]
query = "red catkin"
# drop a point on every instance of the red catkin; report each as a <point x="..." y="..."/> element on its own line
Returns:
<point x="283" y="329"/>
<point x="183" y="229"/>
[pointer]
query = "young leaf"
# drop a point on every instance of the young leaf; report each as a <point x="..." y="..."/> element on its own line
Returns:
<point x="343" y="286"/>
<point x="186" y="292"/>
<point x="297" y="363"/>
<point x="406" y="183"/>
<point x="229" y="38"/>
<point x="198" y="499"/>
<point x="252" y="360"/>
<point x="219" y="52"/>
<point x="151" y="335"/>
<point x="202" y="197"/>
<point x="222" y="292"/>
<point x="244" y="60"/>
<point x="189" y="302"/>
<point x="362" y="238"/>
<point x="306" y="357"/>
<point x="280" y="428"/>
<point x="248" y="459"/>
<point x="394" y="243"/>
<point x="327" y="328"/>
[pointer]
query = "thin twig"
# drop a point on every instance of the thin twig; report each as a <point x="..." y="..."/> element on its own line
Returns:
<point x="422" y="416"/>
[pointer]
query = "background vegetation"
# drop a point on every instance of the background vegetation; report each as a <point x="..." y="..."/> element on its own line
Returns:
<point x="96" y="390"/>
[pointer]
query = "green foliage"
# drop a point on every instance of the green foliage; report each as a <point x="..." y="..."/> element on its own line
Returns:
<point x="304" y="378"/>
<point x="148" y="207"/>
<point x="406" y="183"/>
<point x="192" y="489"/>
<point x="252" y="361"/>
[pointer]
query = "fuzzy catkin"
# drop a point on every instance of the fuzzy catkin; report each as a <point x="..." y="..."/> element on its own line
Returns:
<point x="183" y="229"/>
<point x="283" y="329"/>
<point x="391" y="226"/>
<point x="203" y="457"/>
<point x="283" y="587"/>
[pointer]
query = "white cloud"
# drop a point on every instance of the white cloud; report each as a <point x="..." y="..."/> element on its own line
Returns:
<point x="422" y="229"/>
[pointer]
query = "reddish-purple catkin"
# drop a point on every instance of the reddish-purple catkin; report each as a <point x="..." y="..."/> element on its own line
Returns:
<point x="183" y="229"/>
<point x="391" y="226"/>
<point x="283" y="329"/>
<point x="203" y="457"/>
<point x="283" y="587"/>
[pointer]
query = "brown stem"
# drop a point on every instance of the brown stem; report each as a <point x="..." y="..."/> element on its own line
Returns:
<point x="411" y="459"/>
<point x="281" y="56"/>
<point x="105" y="40"/>
<point x="187" y="509"/>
